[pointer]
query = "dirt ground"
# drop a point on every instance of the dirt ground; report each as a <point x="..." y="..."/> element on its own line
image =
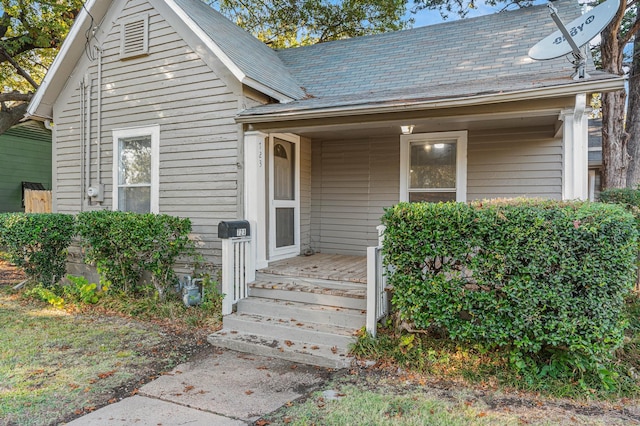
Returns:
<point x="9" y="274"/>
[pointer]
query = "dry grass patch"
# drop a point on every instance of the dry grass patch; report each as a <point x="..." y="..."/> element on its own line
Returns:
<point x="56" y="365"/>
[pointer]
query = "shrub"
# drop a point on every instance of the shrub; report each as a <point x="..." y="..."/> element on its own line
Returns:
<point x="38" y="243"/>
<point x="530" y="275"/>
<point x="626" y="196"/>
<point x="125" y="245"/>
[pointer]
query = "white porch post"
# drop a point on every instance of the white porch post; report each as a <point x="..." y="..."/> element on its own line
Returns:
<point x="575" y="148"/>
<point x="255" y="193"/>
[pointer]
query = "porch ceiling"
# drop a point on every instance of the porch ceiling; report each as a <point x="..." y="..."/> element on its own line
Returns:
<point x="389" y="124"/>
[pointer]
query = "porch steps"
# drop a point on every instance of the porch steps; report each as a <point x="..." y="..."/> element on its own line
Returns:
<point x="307" y="320"/>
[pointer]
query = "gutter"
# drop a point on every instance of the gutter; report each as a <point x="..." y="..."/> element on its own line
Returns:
<point x="423" y="105"/>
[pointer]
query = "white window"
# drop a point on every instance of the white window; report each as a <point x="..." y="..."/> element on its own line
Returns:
<point x="136" y="169"/>
<point x="433" y="167"/>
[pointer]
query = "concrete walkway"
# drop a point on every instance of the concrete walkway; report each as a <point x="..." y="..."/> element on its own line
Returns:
<point x="218" y="387"/>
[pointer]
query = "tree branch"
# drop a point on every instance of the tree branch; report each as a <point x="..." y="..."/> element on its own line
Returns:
<point x="11" y="116"/>
<point x="15" y="97"/>
<point x="18" y="68"/>
<point x="634" y="29"/>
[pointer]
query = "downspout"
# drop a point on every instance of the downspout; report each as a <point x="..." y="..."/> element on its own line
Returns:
<point x="82" y="143"/>
<point x="87" y="141"/>
<point x="99" y="130"/>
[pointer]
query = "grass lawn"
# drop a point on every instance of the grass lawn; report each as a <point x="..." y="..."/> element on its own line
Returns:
<point x="56" y="364"/>
<point x="390" y="396"/>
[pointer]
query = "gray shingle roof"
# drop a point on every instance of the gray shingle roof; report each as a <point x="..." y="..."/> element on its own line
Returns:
<point x="487" y="54"/>
<point x="255" y="59"/>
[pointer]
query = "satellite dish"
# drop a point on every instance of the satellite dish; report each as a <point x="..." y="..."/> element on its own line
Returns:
<point x="581" y="30"/>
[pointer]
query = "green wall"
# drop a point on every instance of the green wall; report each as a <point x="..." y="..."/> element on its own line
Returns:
<point x="25" y="155"/>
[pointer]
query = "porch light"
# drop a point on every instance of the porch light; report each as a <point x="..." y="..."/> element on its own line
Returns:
<point x="407" y="130"/>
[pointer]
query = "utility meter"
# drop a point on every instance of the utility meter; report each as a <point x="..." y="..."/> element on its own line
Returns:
<point x="93" y="191"/>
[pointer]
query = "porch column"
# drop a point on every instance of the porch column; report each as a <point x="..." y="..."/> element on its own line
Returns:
<point x="575" y="148"/>
<point x="255" y="196"/>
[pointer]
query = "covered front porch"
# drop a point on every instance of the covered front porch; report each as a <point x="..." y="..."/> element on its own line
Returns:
<point x="321" y="185"/>
<point x="315" y="189"/>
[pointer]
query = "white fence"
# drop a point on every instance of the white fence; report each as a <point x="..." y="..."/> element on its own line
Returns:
<point x="377" y="295"/>
<point x="238" y="270"/>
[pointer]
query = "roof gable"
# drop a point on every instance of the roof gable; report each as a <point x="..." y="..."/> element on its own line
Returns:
<point x="248" y="59"/>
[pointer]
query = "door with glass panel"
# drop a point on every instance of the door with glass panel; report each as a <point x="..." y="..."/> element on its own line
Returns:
<point x="284" y="185"/>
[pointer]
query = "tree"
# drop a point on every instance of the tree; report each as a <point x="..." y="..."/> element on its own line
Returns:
<point x="619" y="159"/>
<point x="30" y="34"/>
<point x="620" y="152"/>
<point x="633" y="113"/>
<point x="289" y="23"/>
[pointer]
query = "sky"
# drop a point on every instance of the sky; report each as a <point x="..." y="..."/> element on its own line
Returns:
<point x="430" y="17"/>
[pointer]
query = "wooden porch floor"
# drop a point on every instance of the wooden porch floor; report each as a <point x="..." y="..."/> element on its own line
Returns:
<point x="322" y="266"/>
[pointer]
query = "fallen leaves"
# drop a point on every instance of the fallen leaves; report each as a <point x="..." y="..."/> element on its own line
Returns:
<point x="106" y="374"/>
<point x="248" y="392"/>
<point x="288" y="343"/>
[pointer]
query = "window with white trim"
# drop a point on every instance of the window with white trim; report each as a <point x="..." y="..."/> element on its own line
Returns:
<point x="433" y="167"/>
<point x="136" y="169"/>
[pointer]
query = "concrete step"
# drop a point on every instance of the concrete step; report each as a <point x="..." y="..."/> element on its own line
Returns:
<point x="303" y="312"/>
<point x="291" y="329"/>
<point x="311" y="291"/>
<point x="318" y="355"/>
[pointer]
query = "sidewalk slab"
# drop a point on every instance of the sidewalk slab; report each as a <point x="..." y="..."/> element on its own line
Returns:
<point x="143" y="411"/>
<point x="236" y="385"/>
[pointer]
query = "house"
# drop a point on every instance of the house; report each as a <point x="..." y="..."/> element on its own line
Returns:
<point x="25" y="163"/>
<point x="308" y="144"/>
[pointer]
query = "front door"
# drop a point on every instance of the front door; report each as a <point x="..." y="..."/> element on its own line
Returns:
<point x="284" y="189"/>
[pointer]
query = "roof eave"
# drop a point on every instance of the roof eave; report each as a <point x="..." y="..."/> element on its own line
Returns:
<point x="607" y="85"/>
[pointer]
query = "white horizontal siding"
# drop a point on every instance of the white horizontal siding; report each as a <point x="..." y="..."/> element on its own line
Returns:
<point x="176" y="89"/>
<point x="527" y="163"/>
<point x="354" y="180"/>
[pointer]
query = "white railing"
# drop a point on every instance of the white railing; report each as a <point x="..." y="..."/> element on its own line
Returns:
<point x="238" y="270"/>
<point x="377" y="299"/>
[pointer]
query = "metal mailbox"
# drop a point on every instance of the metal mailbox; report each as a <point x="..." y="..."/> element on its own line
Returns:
<point x="233" y="229"/>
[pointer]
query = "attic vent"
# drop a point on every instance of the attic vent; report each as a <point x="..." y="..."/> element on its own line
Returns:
<point x="134" y="37"/>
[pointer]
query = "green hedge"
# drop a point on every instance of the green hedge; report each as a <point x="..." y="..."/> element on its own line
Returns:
<point x="626" y="196"/>
<point x="125" y="245"/>
<point x="38" y="243"/>
<point x="530" y="275"/>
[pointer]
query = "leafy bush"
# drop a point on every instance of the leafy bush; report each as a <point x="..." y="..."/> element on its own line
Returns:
<point x="630" y="199"/>
<point x="80" y="289"/>
<point x="125" y="245"/>
<point x="46" y="295"/>
<point x="38" y="243"/>
<point x="530" y="275"/>
<point x="626" y="196"/>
